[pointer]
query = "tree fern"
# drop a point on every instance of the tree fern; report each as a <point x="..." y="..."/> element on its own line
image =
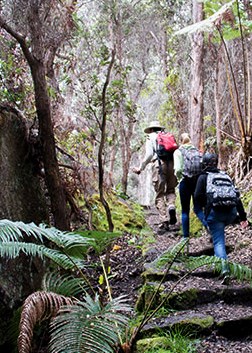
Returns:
<point x="37" y="307"/>
<point x="17" y="237"/>
<point x="88" y="327"/>
<point x="63" y="284"/>
<point x="13" y="250"/>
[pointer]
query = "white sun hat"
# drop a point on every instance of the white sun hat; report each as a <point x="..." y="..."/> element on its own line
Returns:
<point x="153" y="125"/>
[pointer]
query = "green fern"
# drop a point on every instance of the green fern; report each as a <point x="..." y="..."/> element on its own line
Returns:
<point x="88" y="327"/>
<point x="63" y="284"/>
<point x="172" y="254"/>
<point x="18" y="237"/>
<point x="238" y="271"/>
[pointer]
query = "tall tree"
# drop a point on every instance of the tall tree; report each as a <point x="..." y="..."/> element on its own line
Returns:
<point x="37" y="48"/>
<point x="196" y="93"/>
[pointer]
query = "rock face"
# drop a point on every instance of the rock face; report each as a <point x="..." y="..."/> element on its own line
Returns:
<point x="21" y="199"/>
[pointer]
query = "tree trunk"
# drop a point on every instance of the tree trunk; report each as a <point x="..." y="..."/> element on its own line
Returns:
<point x="52" y="174"/>
<point x="196" y="95"/>
<point x="35" y="56"/>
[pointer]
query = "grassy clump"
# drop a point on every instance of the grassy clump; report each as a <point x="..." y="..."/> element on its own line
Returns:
<point x="172" y="342"/>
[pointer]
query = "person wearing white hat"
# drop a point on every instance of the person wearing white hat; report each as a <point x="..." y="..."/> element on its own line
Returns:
<point x="164" y="183"/>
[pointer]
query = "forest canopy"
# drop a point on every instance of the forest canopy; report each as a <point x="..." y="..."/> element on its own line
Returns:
<point x="89" y="76"/>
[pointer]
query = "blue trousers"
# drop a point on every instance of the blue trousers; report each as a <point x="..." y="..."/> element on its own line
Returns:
<point x="217" y="220"/>
<point x="186" y="191"/>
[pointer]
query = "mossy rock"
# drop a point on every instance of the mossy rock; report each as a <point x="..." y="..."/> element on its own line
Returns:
<point x="148" y="238"/>
<point x="154" y="274"/>
<point x="145" y="297"/>
<point x="183" y="300"/>
<point x="193" y="324"/>
<point x="147" y="344"/>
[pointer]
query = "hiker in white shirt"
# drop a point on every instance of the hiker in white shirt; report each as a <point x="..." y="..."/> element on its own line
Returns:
<point x="164" y="183"/>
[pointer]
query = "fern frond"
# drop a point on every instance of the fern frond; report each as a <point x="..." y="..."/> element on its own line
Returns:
<point x="37" y="307"/>
<point x="171" y="254"/>
<point x="238" y="271"/>
<point x="193" y="263"/>
<point x="88" y="327"/>
<point x="15" y="231"/>
<point x="101" y="239"/>
<point x="63" y="284"/>
<point x="65" y="240"/>
<point x="13" y="250"/>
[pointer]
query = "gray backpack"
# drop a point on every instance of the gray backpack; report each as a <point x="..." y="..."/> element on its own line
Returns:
<point x="192" y="161"/>
<point x="220" y="190"/>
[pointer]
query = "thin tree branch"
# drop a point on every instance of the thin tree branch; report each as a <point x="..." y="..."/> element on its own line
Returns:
<point x="20" y="39"/>
<point x="102" y="143"/>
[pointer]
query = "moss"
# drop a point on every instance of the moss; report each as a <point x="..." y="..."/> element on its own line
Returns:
<point x="126" y="215"/>
<point x="145" y="297"/>
<point x="183" y="300"/>
<point x="202" y="322"/>
<point x="247" y="201"/>
<point x="195" y="225"/>
<point x="195" y="326"/>
<point x="147" y="344"/>
<point x="148" y="239"/>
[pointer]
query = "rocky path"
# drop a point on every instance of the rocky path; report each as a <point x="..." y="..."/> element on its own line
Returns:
<point x="230" y="307"/>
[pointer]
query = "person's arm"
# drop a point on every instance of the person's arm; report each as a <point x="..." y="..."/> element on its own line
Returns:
<point x="200" y="191"/>
<point x="149" y="153"/>
<point x="178" y="163"/>
<point x="242" y="214"/>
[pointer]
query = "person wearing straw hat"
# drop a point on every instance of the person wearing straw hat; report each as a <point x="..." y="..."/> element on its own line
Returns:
<point x="164" y="183"/>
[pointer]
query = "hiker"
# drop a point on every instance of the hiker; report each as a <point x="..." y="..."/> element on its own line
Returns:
<point x="221" y="207"/>
<point x="187" y="168"/>
<point x="163" y="178"/>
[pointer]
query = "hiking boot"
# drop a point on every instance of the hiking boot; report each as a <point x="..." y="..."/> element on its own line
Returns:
<point x="226" y="279"/>
<point x="163" y="228"/>
<point x="172" y="214"/>
<point x="225" y="274"/>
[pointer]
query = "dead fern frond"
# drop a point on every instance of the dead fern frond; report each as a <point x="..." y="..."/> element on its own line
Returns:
<point x="37" y="307"/>
<point x="209" y="24"/>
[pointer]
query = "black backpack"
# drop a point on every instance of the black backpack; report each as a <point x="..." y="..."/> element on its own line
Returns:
<point x="220" y="190"/>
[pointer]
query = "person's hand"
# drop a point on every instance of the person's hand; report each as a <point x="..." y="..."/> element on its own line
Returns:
<point x="178" y="175"/>
<point x="244" y="224"/>
<point x="136" y="170"/>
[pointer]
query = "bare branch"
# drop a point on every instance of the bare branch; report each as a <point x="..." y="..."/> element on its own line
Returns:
<point x="20" y="39"/>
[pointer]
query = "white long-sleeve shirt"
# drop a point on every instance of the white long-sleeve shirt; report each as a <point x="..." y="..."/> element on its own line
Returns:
<point x="150" y="150"/>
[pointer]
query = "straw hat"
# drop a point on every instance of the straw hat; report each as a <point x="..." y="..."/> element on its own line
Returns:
<point x="153" y="125"/>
